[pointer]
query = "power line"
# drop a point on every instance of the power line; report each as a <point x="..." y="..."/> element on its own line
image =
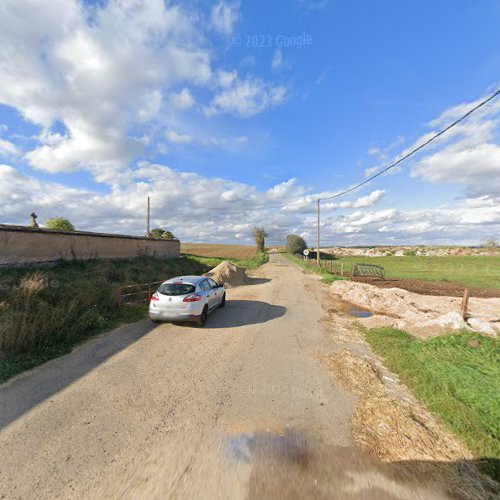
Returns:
<point x="366" y="181"/>
<point x="417" y="149"/>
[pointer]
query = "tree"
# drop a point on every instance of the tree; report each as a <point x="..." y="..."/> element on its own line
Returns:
<point x="60" y="224"/>
<point x="295" y="244"/>
<point x="160" y="234"/>
<point x="260" y="235"/>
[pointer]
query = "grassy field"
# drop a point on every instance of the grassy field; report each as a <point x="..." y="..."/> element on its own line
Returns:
<point x="239" y="252"/>
<point x="46" y="311"/>
<point x="480" y="271"/>
<point x="457" y="377"/>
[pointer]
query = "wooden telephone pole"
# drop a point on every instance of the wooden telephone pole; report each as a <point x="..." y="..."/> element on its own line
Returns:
<point x="149" y="214"/>
<point x="317" y="249"/>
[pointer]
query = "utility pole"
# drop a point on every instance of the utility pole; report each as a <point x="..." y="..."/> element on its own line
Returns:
<point x="317" y="249"/>
<point x="149" y="213"/>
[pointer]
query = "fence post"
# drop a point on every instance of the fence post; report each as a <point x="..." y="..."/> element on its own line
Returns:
<point x="465" y="303"/>
<point x="352" y="270"/>
<point x="341" y="269"/>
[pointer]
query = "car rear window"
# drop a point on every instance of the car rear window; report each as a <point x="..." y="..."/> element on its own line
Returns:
<point x="174" y="289"/>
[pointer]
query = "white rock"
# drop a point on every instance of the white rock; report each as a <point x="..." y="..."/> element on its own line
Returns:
<point x="452" y="320"/>
<point x="482" y="326"/>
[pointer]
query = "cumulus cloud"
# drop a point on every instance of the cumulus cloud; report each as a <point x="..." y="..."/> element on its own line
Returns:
<point x="245" y="98"/>
<point x="8" y="149"/>
<point x="182" y="99"/>
<point x="468" y="154"/>
<point x="199" y="208"/>
<point x="224" y="16"/>
<point x="69" y="63"/>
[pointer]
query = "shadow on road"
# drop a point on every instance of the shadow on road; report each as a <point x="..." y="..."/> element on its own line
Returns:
<point x="28" y="390"/>
<point x="242" y="313"/>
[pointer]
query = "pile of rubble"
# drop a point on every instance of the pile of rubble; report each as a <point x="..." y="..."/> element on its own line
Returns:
<point x="422" y="315"/>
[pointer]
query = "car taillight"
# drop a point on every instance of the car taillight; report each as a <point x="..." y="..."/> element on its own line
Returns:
<point x="193" y="297"/>
<point x="155" y="297"/>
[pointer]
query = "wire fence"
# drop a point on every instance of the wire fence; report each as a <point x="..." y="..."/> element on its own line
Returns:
<point x="357" y="269"/>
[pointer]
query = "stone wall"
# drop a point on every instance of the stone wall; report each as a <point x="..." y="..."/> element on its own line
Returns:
<point x="23" y="245"/>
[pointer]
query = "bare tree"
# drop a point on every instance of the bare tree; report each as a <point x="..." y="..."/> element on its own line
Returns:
<point x="260" y="235"/>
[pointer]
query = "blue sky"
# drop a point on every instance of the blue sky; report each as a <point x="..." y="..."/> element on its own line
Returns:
<point x="235" y="105"/>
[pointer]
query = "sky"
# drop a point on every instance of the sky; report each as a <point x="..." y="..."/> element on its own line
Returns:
<point x="232" y="114"/>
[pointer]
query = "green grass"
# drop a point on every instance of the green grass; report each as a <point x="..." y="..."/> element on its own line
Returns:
<point x="327" y="277"/>
<point x="457" y="376"/>
<point x="253" y="263"/>
<point x="480" y="270"/>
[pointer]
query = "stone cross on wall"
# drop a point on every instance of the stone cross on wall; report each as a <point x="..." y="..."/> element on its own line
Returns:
<point x="34" y="216"/>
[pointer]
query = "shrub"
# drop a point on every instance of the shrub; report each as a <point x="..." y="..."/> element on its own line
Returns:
<point x="60" y="224"/>
<point x="295" y="244"/>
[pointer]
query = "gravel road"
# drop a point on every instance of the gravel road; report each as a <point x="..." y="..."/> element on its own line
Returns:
<point x="242" y="408"/>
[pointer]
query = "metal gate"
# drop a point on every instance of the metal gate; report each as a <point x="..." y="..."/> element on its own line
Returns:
<point x="368" y="270"/>
<point x="137" y="294"/>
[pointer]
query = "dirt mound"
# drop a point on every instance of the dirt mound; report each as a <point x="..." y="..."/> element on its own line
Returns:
<point x="419" y="314"/>
<point x="424" y="287"/>
<point x="228" y="273"/>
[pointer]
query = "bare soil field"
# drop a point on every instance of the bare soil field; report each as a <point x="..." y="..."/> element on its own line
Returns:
<point x="240" y="252"/>
<point x="425" y="287"/>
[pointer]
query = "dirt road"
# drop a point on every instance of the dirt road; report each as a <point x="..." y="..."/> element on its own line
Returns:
<point x="242" y="408"/>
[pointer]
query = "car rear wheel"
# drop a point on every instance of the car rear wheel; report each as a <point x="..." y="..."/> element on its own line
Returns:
<point x="202" y="318"/>
<point x="223" y="301"/>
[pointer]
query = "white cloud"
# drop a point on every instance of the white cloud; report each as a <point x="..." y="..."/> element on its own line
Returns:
<point x="226" y="78"/>
<point x="152" y="105"/>
<point x="246" y="97"/>
<point x="8" y="149"/>
<point x="56" y="65"/>
<point x="476" y="168"/>
<point x="224" y="16"/>
<point x="175" y="137"/>
<point x="369" y="200"/>
<point x="468" y="154"/>
<point x="182" y="99"/>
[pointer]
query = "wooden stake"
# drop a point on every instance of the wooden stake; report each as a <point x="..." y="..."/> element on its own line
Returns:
<point x="465" y="303"/>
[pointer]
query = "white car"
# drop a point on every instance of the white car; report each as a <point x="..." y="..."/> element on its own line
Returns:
<point x="186" y="298"/>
